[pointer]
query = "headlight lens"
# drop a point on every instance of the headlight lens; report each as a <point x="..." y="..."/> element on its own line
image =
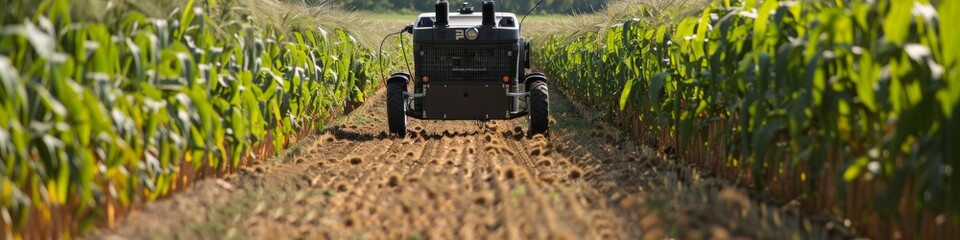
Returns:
<point x="473" y="34"/>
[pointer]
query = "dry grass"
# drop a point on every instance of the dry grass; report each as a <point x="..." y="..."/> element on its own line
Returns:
<point x="617" y="11"/>
<point x="275" y="15"/>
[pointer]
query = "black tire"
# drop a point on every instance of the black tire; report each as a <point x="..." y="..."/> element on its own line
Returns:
<point x="396" y="109"/>
<point x="539" y="107"/>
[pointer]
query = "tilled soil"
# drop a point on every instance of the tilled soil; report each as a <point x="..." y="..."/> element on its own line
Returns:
<point x="465" y="180"/>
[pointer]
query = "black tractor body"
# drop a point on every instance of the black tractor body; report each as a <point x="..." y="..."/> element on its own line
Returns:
<point x="468" y="66"/>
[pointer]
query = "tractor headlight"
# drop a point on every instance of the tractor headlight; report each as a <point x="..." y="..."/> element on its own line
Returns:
<point x="473" y="34"/>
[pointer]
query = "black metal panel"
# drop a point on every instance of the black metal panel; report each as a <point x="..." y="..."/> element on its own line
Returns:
<point x="488" y="35"/>
<point x="460" y="102"/>
<point x="452" y="64"/>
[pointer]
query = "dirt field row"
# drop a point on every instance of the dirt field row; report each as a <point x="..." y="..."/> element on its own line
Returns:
<point x="465" y="180"/>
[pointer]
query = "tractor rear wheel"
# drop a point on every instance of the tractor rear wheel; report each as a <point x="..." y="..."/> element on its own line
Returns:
<point x="396" y="109"/>
<point x="539" y="107"/>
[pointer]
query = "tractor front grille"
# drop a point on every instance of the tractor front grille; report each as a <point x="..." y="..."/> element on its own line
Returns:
<point x="466" y="64"/>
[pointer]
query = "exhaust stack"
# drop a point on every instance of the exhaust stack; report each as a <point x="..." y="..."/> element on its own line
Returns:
<point x="489" y="15"/>
<point x="443" y="13"/>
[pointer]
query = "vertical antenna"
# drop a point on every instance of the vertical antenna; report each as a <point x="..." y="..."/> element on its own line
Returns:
<point x="528" y="13"/>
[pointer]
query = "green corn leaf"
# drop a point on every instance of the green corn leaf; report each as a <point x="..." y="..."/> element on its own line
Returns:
<point x="897" y="23"/>
<point x="60" y="13"/>
<point x="63" y="181"/>
<point x="42" y="42"/>
<point x="702" y="26"/>
<point x="626" y="94"/>
<point x="656" y="86"/>
<point x="187" y="14"/>
<point x="866" y="82"/>
<point x="684" y="31"/>
<point x="950" y="96"/>
<point x="14" y="92"/>
<point x="854" y="170"/>
<point x="950" y="38"/>
<point x="760" y="31"/>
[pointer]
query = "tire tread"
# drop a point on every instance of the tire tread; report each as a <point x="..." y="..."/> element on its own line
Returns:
<point x="539" y="107"/>
<point x="396" y="116"/>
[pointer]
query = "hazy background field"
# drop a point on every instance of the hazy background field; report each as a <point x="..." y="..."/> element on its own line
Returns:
<point x="404" y="6"/>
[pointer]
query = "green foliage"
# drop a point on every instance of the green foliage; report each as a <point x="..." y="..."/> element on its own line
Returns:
<point x="96" y="112"/>
<point x="867" y="91"/>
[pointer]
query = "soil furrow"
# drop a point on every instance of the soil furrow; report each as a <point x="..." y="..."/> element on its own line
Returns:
<point x="457" y="180"/>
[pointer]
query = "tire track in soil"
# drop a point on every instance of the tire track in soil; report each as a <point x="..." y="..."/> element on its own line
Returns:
<point x="457" y="180"/>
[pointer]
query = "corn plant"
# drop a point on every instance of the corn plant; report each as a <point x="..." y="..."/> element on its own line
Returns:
<point x="97" y="116"/>
<point x="846" y="105"/>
